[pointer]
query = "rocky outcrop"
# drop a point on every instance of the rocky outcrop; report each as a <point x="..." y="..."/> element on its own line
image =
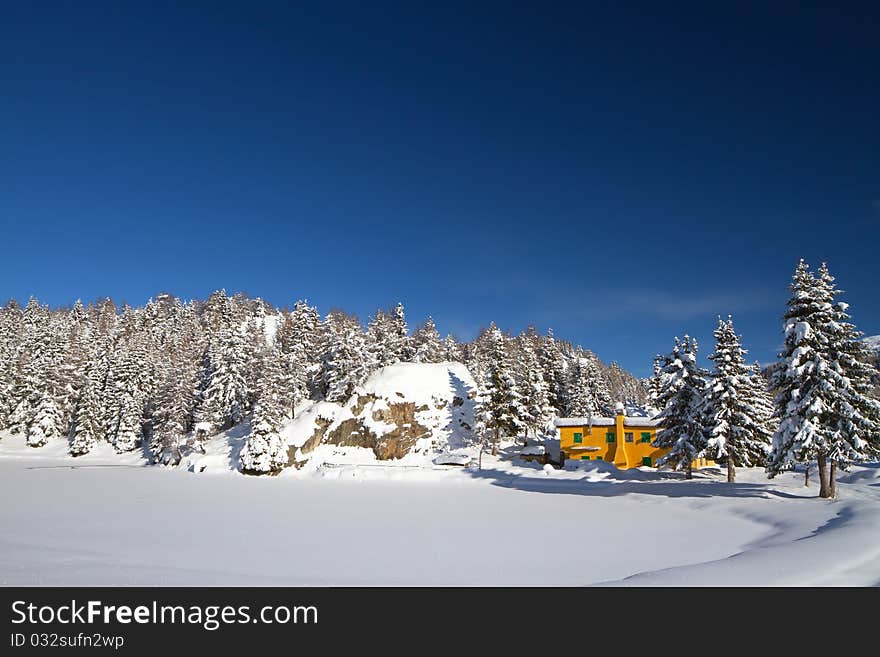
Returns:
<point x="322" y="424"/>
<point x="393" y="444"/>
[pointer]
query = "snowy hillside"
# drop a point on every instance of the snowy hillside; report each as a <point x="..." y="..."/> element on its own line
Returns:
<point x="408" y="412"/>
<point x="872" y="342"/>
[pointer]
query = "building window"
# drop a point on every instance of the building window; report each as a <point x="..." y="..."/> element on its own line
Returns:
<point x="646" y="436"/>
<point x="646" y="461"/>
<point x="578" y="437"/>
<point x="628" y="436"/>
<point x="598" y="458"/>
<point x="585" y="458"/>
<point x="609" y="437"/>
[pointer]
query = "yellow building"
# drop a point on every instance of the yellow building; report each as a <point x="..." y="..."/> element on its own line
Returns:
<point x="622" y="440"/>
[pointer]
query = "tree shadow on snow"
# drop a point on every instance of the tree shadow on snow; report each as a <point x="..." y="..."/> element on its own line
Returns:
<point x="626" y="482"/>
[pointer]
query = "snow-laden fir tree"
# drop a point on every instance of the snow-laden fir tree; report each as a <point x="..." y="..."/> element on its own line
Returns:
<point x="387" y="339"/>
<point x="125" y="401"/>
<point x="299" y="338"/>
<point x="38" y="393"/>
<point x="265" y="451"/>
<point x="226" y="394"/>
<point x="855" y="415"/>
<point x="653" y="387"/>
<point x="427" y="345"/>
<point x="737" y="427"/>
<point x="821" y="402"/>
<point x="537" y="413"/>
<point x="176" y="396"/>
<point x="87" y="429"/>
<point x="553" y="371"/>
<point x="344" y="358"/>
<point x="10" y="338"/>
<point x="499" y="409"/>
<point x="452" y="351"/>
<point x="587" y="390"/>
<point x="400" y="344"/>
<point x="681" y="403"/>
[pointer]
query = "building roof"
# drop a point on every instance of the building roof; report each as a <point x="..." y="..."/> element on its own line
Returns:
<point x="598" y="421"/>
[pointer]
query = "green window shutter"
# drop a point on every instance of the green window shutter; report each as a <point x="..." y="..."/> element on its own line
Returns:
<point x="646" y="460"/>
<point x="585" y="458"/>
<point x="578" y="437"/>
<point x="609" y="437"/>
<point x="599" y="458"/>
<point x="646" y="436"/>
<point x="628" y="436"/>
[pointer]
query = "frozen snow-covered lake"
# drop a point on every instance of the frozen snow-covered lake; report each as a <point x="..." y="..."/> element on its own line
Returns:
<point x="110" y="520"/>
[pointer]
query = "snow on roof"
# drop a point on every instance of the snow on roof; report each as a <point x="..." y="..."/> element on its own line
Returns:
<point x="598" y="421"/>
<point x="640" y="422"/>
<point x="533" y="450"/>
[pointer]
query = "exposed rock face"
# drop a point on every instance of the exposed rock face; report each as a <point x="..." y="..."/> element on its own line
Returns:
<point x="352" y="433"/>
<point x="396" y="443"/>
<point x="401" y="410"/>
<point x="393" y="444"/>
<point x="311" y="443"/>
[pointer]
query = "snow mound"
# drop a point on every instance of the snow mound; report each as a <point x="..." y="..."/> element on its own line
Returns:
<point x="421" y="383"/>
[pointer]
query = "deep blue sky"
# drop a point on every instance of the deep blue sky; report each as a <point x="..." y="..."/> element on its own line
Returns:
<point x="622" y="175"/>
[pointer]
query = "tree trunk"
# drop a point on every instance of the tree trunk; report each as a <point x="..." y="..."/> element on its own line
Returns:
<point x="689" y="470"/>
<point x="731" y="468"/>
<point x="807" y="474"/>
<point x="832" y="486"/>
<point x="495" y="443"/>
<point x="823" y="476"/>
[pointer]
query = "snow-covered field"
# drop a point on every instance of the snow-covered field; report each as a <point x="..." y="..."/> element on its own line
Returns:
<point x="108" y="519"/>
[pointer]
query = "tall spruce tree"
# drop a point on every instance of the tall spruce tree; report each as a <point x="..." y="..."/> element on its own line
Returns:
<point x="344" y="359"/>
<point x="822" y="404"/>
<point x="681" y="403"/>
<point x="736" y="425"/>
<point x="265" y="451"/>
<point x="427" y="347"/>
<point x="500" y="409"/>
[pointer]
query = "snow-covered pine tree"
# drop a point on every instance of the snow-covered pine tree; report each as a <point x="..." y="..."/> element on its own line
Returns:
<point x="344" y="356"/>
<point x="125" y="400"/>
<point x="265" y="451"/>
<point x="86" y="428"/>
<point x="400" y="344"/>
<point x="537" y="411"/>
<point x="10" y="339"/>
<point x="39" y="412"/>
<point x="500" y="408"/>
<point x="736" y="425"/>
<point x="586" y="386"/>
<point x="553" y="371"/>
<point x="300" y="340"/>
<point x="654" y="386"/>
<point x="452" y="350"/>
<point x="581" y="402"/>
<point x="822" y="410"/>
<point x="226" y="395"/>
<point x="426" y="344"/>
<point x="681" y="403"/>
<point x="853" y="416"/>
